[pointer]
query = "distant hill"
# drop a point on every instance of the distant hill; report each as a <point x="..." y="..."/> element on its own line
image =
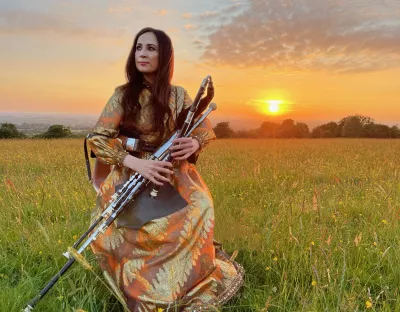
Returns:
<point x="44" y="120"/>
<point x="36" y="123"/>
<point x="71" y="120"/>
<point x="41" y="121"/>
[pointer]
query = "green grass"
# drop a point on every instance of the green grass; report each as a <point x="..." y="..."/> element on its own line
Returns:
<point x="294" y="209"/>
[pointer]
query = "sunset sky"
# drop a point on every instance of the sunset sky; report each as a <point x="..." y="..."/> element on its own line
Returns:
<point x="315" y="60"/>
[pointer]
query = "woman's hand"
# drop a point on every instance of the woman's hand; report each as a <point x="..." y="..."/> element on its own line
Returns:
<point x="153" y="170"/>
<point x="183" y="148"/>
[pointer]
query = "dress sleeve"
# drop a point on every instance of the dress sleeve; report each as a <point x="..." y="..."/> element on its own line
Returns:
<point x="204" y="133"/>
<point x="103" y="141"/>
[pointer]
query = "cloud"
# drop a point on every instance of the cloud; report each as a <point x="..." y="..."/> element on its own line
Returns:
<point x="190" y="26"/>
<point x="119" y="9"/>
<point x="23" y="22"/>
<point x="162" y="12"/>
<point x="199" y="44"/>
<point x="212" y="16"/>
<point x="307" y="35"/>
<point x="173" y="30"/>
<point x="208" y="14"/>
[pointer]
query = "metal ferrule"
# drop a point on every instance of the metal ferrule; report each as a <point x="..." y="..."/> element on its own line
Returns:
<point x="189" y="117"/>
<point x="206" y="81"/>
<point x="132" y="145"/>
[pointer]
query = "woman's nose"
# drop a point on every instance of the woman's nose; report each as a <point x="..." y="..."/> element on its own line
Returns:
<point x="143" y="53"/>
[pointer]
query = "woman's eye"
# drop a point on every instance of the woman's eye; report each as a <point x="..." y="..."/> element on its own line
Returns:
<point x="138" y="47"/>
<point x="151" y="49"/>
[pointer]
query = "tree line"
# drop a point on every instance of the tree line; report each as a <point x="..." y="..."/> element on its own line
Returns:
<point x="355" y="126"/>
<point x="10" y="131"/>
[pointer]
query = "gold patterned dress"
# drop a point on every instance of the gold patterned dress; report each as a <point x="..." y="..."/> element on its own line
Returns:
<point x="171" y="263"/>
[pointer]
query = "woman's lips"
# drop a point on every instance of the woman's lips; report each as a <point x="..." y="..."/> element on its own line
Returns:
<point x="143" y="63"/>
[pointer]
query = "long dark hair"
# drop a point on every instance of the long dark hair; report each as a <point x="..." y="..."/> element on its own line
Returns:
<point x="161" y="87"/>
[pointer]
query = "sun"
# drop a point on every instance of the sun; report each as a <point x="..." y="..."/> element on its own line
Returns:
<point x="274" y="106"/>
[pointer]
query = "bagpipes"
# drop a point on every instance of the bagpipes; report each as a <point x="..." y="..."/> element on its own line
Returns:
<point x="129" y="193"/>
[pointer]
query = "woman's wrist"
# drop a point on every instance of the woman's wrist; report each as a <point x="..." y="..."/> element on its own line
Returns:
<point x="196" y="144"/>
<point x="199" y="140"/>
<point x="120" y="157"/>
<point x="130" y="161"/>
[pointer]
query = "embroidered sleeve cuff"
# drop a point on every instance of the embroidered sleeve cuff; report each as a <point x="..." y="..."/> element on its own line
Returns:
<point x="199" y="139"/>
<point x="120" y="157"/>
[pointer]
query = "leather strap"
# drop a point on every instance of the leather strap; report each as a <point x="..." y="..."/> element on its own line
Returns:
<point x="89" y="172"/>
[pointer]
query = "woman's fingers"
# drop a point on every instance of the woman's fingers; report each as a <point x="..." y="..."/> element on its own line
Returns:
<point x="160" y="168"/>
<point x="152" y="179"/>
<point x="181" y="152"/>
<point x="164" y="170"/>
<point x="182" y="140"/>
<point x="155" y="177"/>
<point x="160" y="177"/>
<point x="184" y="156"/>
<point x="163" y="166"/>
<point x="181" y="146"/>
<point x="182" y="143"/>
<point x="163" y="163"/>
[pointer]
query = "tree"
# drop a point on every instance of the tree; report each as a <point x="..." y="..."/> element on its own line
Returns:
<point x="9" y="131"/>
<point x="301" y="130"/>
<point x="286" y="129"/>
<point x="328" y="130"/>
<point x="394" y="132"/>
<point x="56" y="131"/>
<point x="267" y="129"/>
<point x="223" y="130"/>
<point x="377" y="131"/>
<point x="352" y="127"/>
<point x="382" y="131"/>
<point x="363" y="120"/>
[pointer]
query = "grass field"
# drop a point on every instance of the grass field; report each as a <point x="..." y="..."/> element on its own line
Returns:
<point x="316" y="223"/>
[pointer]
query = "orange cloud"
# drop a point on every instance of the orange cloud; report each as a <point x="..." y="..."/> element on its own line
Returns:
<point x="190" y="26"/>
<point x="162" y="12"/>
<point x="173" y="30"/>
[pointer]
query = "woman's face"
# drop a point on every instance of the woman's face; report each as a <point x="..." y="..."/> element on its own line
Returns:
<point x="146" y="55"/>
